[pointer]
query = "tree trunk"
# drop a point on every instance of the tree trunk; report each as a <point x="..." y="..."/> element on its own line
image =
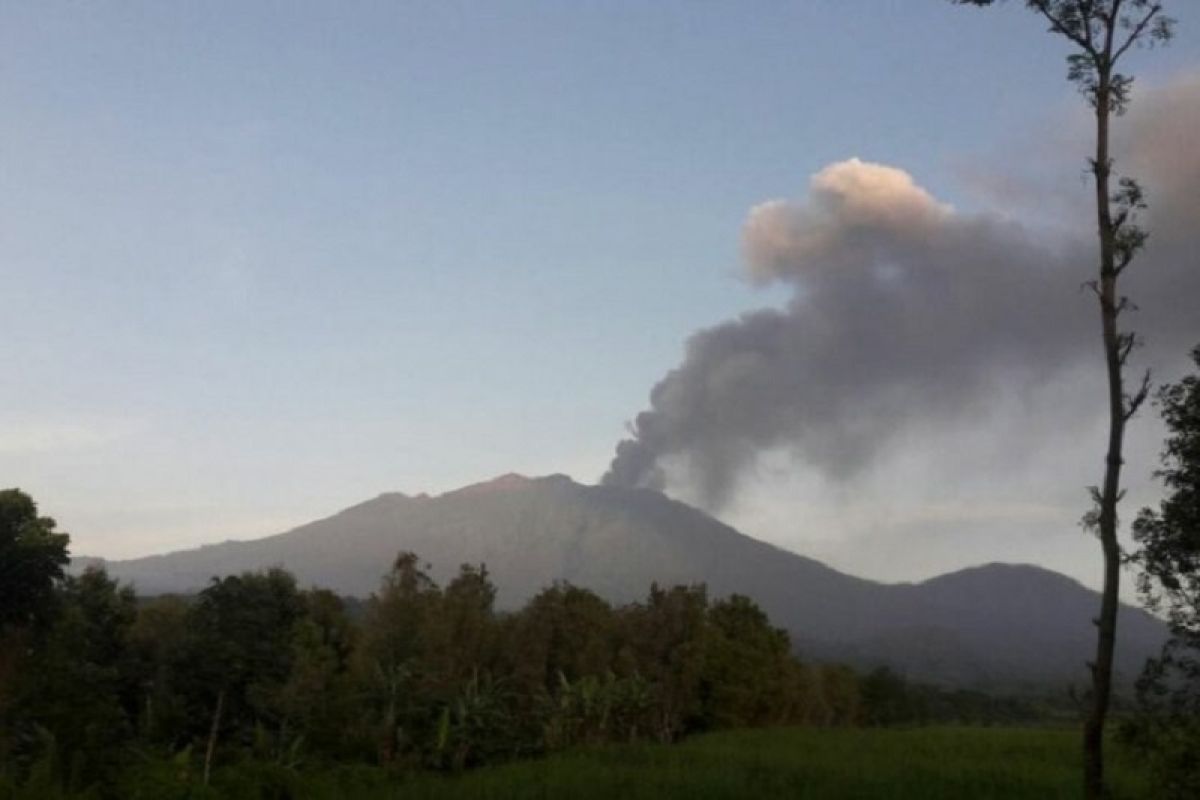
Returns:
<point x="1110" y="492"/>
<point x="212" y="735"/>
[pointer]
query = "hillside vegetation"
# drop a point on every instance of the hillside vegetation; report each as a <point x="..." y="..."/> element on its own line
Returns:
<point x="999" y="627"/>
<point x="257" y="688"/>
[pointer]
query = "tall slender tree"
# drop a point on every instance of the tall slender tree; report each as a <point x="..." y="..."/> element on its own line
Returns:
<point x="1101" y="32"/>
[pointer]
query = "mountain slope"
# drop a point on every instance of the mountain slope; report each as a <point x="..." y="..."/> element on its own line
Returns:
<point x="998" y="624"/>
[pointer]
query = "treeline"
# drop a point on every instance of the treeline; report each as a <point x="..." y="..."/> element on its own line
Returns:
<point x="99" y="688"/>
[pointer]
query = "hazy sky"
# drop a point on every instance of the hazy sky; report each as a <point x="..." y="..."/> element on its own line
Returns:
<point x="262" y="261"/>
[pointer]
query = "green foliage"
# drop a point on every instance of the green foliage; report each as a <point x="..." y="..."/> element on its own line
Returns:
<point x="1169" y="538"/>
<point x="746" y="674"/>
<point x="887" y="698"/>
<point x="474" y="726"/>
<point x="242" y="632"/>
<point x="595" y="709"/>
<point x="392" y="664"/>
<point x="563" y="631"/>
<point x="160" y="646"/>
<point x="32" y="559"/>
<point x="316" y="700"/>
<point x="468" y="628"/>
<point x="1168" y="555"/>
<point x="46" y="776"/>
<point x="237" y="659"/>
<point x="74" y="693"/>
<point x="667" y="639"/>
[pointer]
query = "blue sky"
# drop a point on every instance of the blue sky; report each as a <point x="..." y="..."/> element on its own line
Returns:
<point x="265" y="260"/>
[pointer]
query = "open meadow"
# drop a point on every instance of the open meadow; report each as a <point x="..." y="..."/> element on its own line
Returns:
<point x="947" y="763"/>
<point x="864" y="764"/>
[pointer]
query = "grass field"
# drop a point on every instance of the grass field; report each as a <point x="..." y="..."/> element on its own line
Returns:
<point x="924" y="764"/>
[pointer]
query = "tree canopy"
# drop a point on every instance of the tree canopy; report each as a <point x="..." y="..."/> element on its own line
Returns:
<point x="32" y="559"/>
<point x="1168" y="557"/>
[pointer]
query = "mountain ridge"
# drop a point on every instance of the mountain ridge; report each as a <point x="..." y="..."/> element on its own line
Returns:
<point x="1016" y="625"/>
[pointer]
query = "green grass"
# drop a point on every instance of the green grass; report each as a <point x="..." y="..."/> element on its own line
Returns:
<point x="946" y="763"/>
<point x="925" y="763"/>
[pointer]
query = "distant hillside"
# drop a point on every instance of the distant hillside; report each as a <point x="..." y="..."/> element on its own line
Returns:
<point x="1010" y="625"/>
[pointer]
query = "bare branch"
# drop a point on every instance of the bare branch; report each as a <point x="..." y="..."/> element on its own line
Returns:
<point x="1134" y="402"/>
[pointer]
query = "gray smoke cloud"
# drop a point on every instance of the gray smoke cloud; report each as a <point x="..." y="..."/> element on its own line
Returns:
<point x="904" y="312"/>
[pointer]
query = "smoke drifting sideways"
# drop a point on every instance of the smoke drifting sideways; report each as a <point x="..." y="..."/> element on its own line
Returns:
<point x="904" y="312"/>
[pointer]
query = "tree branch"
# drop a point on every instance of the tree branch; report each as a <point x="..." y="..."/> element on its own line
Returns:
<point x="1118" y="221"/>
<point x="1134" y="402"/>
<point x="1057" y="25"/>
<point x="1137" y="32"/>
<point x="1123" y="261"/>
<point x="1110" y="32"/>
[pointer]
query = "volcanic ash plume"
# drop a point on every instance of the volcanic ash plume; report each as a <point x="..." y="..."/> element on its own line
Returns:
<point x="902" y="311"/>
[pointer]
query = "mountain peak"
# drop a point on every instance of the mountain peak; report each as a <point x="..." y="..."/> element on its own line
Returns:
<point x="501" y="483"/>
<point x="1004" y="574"/>
<point x="509" y="482"/>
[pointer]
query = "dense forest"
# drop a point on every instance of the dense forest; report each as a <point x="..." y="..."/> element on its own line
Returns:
<point x="255" y="675"/>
